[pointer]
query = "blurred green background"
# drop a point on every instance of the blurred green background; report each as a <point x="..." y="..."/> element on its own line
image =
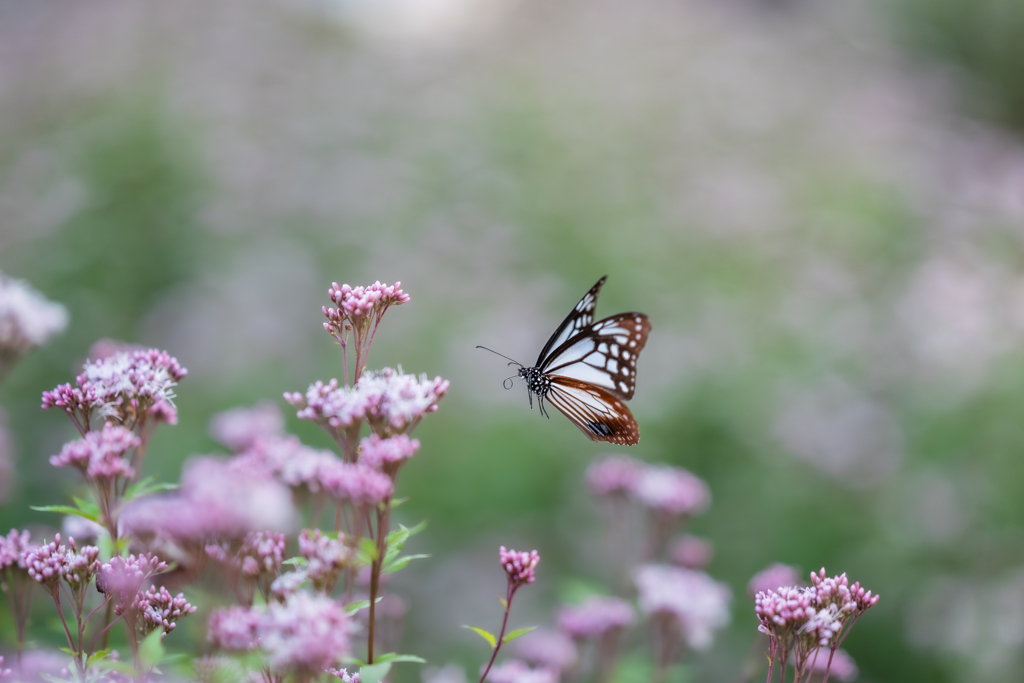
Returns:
<point x="820" y="205"/>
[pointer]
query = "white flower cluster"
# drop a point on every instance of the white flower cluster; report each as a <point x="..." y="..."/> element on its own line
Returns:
<point x="27" y="318"/>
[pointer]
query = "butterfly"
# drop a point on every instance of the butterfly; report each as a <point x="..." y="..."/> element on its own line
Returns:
<point x="587" y="370"/>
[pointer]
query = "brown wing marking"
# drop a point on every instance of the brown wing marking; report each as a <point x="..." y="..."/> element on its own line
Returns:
<point x="605" y="354"/>
<point x="598" y="414"/>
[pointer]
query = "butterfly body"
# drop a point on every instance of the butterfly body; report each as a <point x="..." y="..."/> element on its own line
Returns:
<point x="587" y="370"/>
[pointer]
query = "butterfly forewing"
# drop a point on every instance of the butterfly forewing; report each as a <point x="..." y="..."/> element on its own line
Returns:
<point x="579" y="318"/>
<point x="598" y="414"/>
<point x="604" y="354"/>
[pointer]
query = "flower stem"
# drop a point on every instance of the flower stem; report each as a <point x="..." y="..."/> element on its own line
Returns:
<point x="501" y="636"/>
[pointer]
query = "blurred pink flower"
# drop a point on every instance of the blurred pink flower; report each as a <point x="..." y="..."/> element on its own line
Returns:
<point x="14" y="548"/>
<point x="326" y="557"/>
<point x="100" y="455"/>
<point x="671" y="491"/>
<point x="614" y="475"/>
<point x="345" y="676"/>
<point x="122" y="577"/>
<point x="698" y="603"/>
<point x="843" y="667"/>
<point x="240" y="428"/>
<point x="387" y="454"/>
<point x="516" y="671"/>
<point x="7" y="472"/>
<point x="691" y="552"/>
<point x="548" y="648"/>
<point x="27" y="319"/>
<point x="309" y="632"/>
<point x="287" y="459"/>
<point x="359" y="483"/>
<point x="233" y="628"/>
<point x="772" y="578"/>
<point x="4" y="673"/>
<point x="596" y="617"/>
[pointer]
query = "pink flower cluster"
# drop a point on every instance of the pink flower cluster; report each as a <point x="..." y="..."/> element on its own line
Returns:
<point x="326" y="557"/>
<point x="3" y="672"/>
<point x="308" y="632"/>
<point x="548" y="649"/>
<point x="260" y="555"/>
<point x="287" y="459"/>
<point x="772" y="578"/>
<point x="696" y="602"/>
<point x="671" y="491"/>
<point x="122" y="577"/>
<point x="345" y="676"/>
<point x="358" y="483"/>
<point x="240" y="428"/>
<point x="387" y="455"/>
<point x="519" y="565"/>
<point x="516" y="671"/>
<point x="27" y="318"/>
<point x="354" y="305"/>
<point x="597" y="617"/>
<point x="52" y="562"/>
<point x="100" y="456"/>
<point x="14" y="547"/>
<point x="391" y="401"/>
<point x="691" y="552"/>
<point x="802" y="620"/>
<point x="128" y="386"/>
<point x="157" y="609"/>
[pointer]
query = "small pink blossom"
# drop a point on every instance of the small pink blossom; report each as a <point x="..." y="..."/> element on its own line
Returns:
<point x="516" y="671"/>
<point x="14" y="548"/>
<point x="519" y="565"/>
<point x="691" y="552"/>
<point x="698" y="603"/>
<point x="157" y="610"/>
<point x="233" y="628"/>
<point x="387" y="454"/>
<point x="614" y="475"/>
<point x="843" y="668"/>
<point x="326" y="557"/>
<point x="345" y="676"/>
<point x="596" y="617"/>
<point x="122" y="577"/>
<point x="124" y="386"/>
<point x="359" y="483"/>
<point x="548" y="649"/>
<point x="671" y="491"/>
<point x="397" y="402"/>
<point x="100" y="456"/>
<point x="287" y="459"/>
<point x="309" y="632"/>
<point x="260" y="554"/>
<point x="240" y="428"/>
<point x="27" y="319"/>
<point x="772" y="578"/>
<point x="51" y="562"/>
<point x="288" y="583"/>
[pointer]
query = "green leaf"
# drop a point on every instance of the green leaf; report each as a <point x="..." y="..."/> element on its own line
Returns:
<point x="297" y="561"/>
<point x="86" y="506"/>
<point x="392" y="657"/>
<point x="397" y="501"/>
<point x="151" y="650"/>
<point x="145" y="487"/>
<point x="64" y="510"/>
<point x="373" y="673"/>
<point x="503" y="602"/>
<point x="367" y="551"/>
<point x="486" y="635"/>
<point x="509" y="637"/>
<point x="97" y="657"/>
<point x="401" y="562"/>
<point x="353" y="607"/>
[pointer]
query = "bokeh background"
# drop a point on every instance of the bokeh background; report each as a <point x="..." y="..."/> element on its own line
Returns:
<point x="819" y="204"/>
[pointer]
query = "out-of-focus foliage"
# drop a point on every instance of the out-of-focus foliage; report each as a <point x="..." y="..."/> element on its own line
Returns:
<point x="982" y="38"/>
<point x="831" y="260"/>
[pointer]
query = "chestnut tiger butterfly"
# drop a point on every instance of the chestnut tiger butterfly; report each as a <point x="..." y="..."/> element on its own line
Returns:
<point x="587" y="370"/>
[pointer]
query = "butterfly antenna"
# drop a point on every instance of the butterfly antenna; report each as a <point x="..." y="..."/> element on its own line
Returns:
<point x="500" y="354"/>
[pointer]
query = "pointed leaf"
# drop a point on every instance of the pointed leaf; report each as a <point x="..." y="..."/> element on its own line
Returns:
<point x="392" y="657"/>
<point x="401" y="562"/>
<point x="503" y="602"/>
<point x="353" y="607"/>
<point x="151" y="650"/>
<point x="297" y="561"/>
<point x="64" y="510"/>
<point x="86" y="506"/>
<point x="486" y="635"/>
<point x="373" y="673"/>
<point x="509" y="637"/>
<point x="367" y="551"/>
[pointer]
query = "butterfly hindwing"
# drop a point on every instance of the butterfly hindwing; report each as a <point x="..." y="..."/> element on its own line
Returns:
<point x="604" y="354"/>
<point x="579" y="318"/>
<point x="598" y="414"/>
